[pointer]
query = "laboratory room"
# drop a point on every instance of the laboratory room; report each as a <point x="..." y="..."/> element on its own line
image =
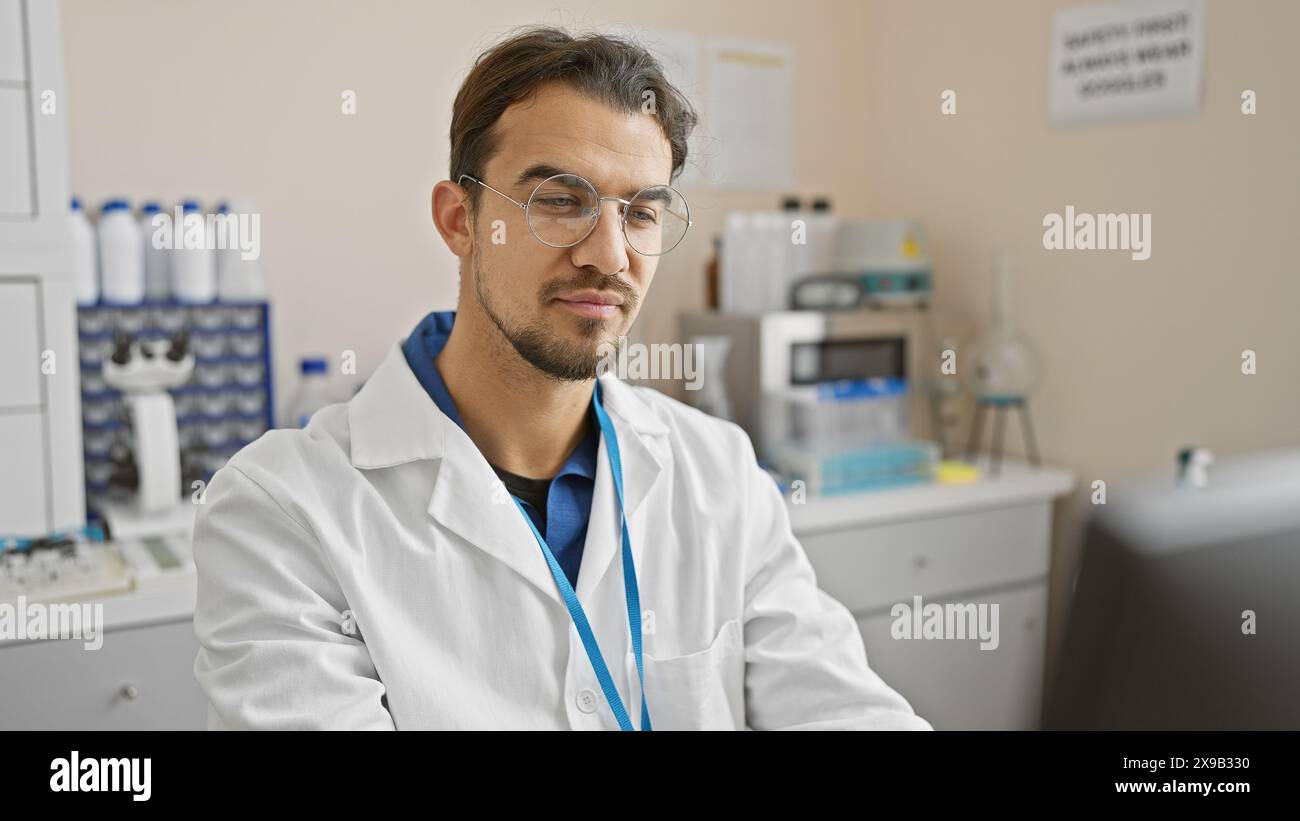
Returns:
<point x="677" y="366"/>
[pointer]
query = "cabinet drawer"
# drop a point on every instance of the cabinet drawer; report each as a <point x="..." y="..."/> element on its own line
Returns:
<point x="20" y="363"/>
<point x="15" y="155"/>
<point x="13" y="47"/>
<point x="874" y="567"/>
<point x="140" y="679"/>
<point x="954" y="684"/>
<point x="23" y="476"/>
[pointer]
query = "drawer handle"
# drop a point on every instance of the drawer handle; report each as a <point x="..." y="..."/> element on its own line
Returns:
<point x="130" y="691"/>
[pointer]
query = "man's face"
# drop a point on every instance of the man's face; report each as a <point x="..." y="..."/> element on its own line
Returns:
<point x="557" y="306"/>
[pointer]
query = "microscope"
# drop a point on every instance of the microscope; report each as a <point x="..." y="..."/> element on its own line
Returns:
<point x="144" y="370"/>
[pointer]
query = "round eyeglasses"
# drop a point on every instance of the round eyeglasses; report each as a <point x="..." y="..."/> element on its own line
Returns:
<point x="563" y="210"/>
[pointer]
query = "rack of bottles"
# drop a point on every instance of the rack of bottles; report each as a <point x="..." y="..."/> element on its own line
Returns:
<point x="226" y="404"/>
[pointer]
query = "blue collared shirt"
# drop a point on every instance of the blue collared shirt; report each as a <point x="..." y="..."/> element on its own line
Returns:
<point x="568" y="503"/>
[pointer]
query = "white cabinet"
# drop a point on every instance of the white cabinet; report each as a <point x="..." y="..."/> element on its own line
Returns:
<point x="979" y="544"/>
<point x="141" y="678"/>
<point x="20" y="373"/>
<point x="16" y="200"/>
<point x="42" y="490"/>
<point x="22" y="480"/>
<point x="955" y="685"/>
<point x="867" y="567"/>
<point x="33" y="130"/>
<point x="13" y="47"/>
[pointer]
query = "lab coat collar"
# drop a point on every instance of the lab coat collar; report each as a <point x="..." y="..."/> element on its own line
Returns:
<point x="393" y="421"/>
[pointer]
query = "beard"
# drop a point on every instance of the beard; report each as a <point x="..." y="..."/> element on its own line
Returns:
<point x="541" y="345"/>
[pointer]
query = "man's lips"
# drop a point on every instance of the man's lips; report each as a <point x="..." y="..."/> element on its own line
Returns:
<point x="592" y="304"/>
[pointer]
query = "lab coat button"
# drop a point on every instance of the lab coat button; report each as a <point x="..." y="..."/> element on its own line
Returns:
<point x="587" y="701"/>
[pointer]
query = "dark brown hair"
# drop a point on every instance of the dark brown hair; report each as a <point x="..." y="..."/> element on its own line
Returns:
<point x="610" y="69"/>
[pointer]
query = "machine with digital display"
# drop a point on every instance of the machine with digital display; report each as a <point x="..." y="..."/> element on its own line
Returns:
<point x="808" y="386"/>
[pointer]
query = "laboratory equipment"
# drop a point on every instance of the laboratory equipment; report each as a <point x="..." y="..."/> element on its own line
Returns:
<point x="121" y="255"/>
<point x="943" y="388"/>
<point x="143" y="371"/>
<point x="194" y="274"/>
<point x="67" y="570"/>
<point x="778" y="359"/>
<point x="887" y="258"/>
<point x="847" y="413"/>
<point x="238" y="279"/>
<point x="225" y="404"/>
<point x="827" y="472"/>
<point x="812" y="260"/>
<point x="1184" y="614"/>
<point x="1001" y="370"/>
<point x="1193" y="466"/>
<point x="313" y="392"/>
<point x="712" y="397"/>
<point x="157" y="258"/>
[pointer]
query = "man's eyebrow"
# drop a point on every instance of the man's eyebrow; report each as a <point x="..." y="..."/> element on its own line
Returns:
<point x="659" y="194"/>
<point x="542" y="171"/>
<point x="538" y="172"/>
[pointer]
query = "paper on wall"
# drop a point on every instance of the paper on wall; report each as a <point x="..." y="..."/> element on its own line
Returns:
<point x="1126" y="60"/>
<point x="751" y="109"/>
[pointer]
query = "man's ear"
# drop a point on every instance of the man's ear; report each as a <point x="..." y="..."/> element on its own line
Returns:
<point x="451" y="217"/>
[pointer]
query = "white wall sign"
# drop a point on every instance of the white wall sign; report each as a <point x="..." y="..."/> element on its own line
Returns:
<point x="1127" y="60"/>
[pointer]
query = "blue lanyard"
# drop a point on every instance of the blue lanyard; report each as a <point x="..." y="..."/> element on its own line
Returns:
<point x="629" y="585"/>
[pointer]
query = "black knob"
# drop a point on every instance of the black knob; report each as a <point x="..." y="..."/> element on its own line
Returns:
<point x="121" y="348"/>
<point x="125" y="473"/>
<point x="180" y="346"/>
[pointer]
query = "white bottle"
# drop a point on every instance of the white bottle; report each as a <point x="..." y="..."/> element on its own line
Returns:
<point x="121" y="255"/>
<point x="786" y="242"/>
<point x="238" y="279"/>
<point x="157" y="256"/>
<point x="85" y="259"/>
<point x="734" y="281"/>
<point x="194" y="275"/>
<point x="313" y="392"/>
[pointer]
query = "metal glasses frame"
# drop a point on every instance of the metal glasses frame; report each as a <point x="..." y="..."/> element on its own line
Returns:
<point x="523" y="206"/>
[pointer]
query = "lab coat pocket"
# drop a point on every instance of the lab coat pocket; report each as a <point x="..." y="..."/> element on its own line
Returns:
<point x="697" y="691"/>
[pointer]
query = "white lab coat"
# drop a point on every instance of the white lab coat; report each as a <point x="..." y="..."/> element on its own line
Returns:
<point x="385" y="508"/>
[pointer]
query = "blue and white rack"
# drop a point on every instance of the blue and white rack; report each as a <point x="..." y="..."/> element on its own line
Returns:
<point x="227" y="403"/>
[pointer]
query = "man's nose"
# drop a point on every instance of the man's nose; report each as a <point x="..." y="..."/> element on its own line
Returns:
<point x="605" y="248"/>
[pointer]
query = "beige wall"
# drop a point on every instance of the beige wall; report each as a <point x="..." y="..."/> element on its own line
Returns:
<point x="1140" y="358"/>
<point x="242" y="99"/>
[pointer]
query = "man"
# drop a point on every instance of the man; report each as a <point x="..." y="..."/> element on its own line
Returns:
<point x="483" y="537"/>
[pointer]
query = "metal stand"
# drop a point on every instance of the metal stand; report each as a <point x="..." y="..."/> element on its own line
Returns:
<point x="1000" y="407"/>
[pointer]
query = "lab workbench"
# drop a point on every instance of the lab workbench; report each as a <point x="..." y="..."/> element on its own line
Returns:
<point x="987" y="542"/>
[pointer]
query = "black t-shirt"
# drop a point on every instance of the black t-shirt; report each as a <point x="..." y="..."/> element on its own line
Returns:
<point x="532" y="491"/>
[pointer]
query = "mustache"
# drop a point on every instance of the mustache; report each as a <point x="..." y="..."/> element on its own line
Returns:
<point x="597" y="282"/>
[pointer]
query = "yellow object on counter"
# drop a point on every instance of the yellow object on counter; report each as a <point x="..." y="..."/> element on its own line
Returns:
<point x="953" y="472"/>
